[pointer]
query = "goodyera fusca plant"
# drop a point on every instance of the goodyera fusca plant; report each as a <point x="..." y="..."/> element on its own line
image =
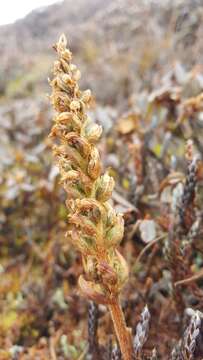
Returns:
<point x="94" y="227"/>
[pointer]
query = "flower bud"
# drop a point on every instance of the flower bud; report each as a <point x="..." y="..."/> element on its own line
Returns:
<point x="72" y="184"/>
<point x="62" y="43"/>
<point x="60" y="101"/>
<point x="76" y="75"/>
<point x="68" y="119"/>
<point x="93" y="209"/>
<point x="64" y="65"/>
<point x="94" y="165"/>
<point x="93" y="132"/>
<point x="75" y="105"/>
<point x="61" y="85"/>
<point x="120" y="266"/>
<point x="79" y="143"/>
<point x="83" y="243"/>
<point x="92" y="291"/>
<point x="107" y="273"/>
<point x="66" y="79"/>
<point x="70" y="175"/>
<point x="72" y="191"/>
<point x="57" y="66"/>
<point x="104" y="188"/>
<point x="73" y="67"/>
<point x="115" y="234"/>
<point x="63" y="117"/>
<point x="86" y="96"/>
<point x="110" y="215"/>
<point x="86" y="226"/>
<point x="89" y="264"/>
<point x="66" y="55"/>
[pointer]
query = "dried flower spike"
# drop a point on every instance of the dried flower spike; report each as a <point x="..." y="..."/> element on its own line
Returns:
<point x="190" y="337"/>
<point x="190" y="184"/>
<point x="176" y="352"/>
<point x="142" y="330"/>
<point x="154" y="355"/>
<point x="116" y="353"/>
<point x="92" y="327"/>
<point x="94" y="227"/>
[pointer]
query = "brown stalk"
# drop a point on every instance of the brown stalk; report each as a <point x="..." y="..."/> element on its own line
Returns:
<point x="122" y="332"/>
<point x="195" y="277"/>
<point x="147" y="247"/>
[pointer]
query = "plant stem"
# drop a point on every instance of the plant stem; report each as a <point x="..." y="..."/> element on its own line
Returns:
<point x="122" y="332"/>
